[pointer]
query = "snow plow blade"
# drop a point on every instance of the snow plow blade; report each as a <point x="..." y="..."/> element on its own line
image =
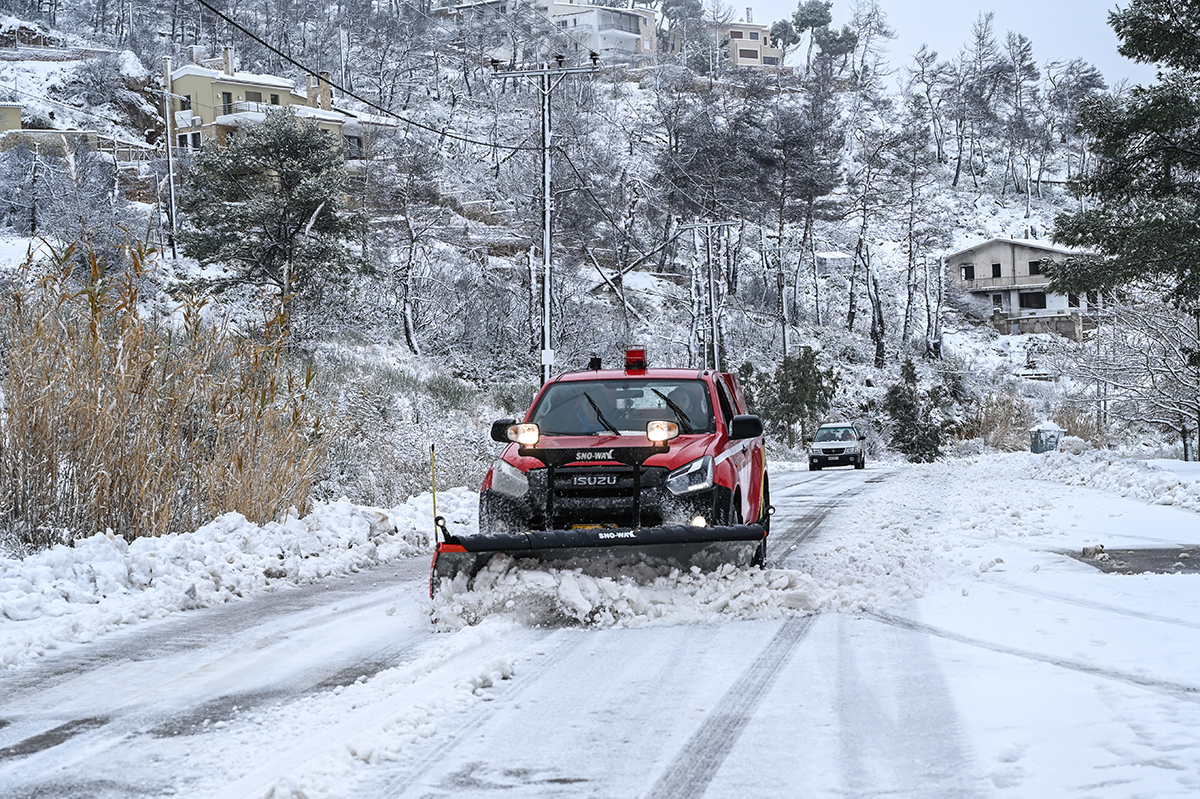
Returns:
<point x="680" y="547"/>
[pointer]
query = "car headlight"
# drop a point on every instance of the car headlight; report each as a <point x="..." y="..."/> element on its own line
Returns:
<point x="696" y="476"/>
<point x="509" y="480"/>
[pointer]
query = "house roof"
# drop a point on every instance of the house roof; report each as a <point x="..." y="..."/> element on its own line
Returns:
<point x="237" y="77"/>
<point x="235" y="119"/>
<point x="1033" y="244"/>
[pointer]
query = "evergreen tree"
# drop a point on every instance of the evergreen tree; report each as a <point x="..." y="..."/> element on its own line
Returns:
<point x="1143" y="215"/>
<point x="913" y="430"/>
<point x="270" y="206"/>
<point x="800" y="393"/>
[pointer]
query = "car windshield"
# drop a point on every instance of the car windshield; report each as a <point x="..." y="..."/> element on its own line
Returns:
<point x="622" y="407"/>
<point x="835" y="434"/>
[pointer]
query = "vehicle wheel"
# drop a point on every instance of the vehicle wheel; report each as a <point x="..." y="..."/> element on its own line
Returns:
<point x="764" y="510"/>
<point x="733" y="514"/>
<point x="812" y="467"/>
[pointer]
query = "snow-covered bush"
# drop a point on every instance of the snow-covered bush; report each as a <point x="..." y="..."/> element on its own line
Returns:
<point x="1074" y="445"/>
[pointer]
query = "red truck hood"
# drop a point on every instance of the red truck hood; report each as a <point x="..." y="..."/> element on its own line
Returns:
<point x="683" y="450"/>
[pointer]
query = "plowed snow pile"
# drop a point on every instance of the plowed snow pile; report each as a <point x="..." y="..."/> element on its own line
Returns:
<point x="75" y="593"/>
<point x="627" y="597"/>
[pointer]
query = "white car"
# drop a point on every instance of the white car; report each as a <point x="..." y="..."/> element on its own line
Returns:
<point x="837" y="444"/>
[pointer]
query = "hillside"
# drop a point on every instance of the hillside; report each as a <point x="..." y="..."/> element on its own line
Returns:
<point x="432" y="330"/>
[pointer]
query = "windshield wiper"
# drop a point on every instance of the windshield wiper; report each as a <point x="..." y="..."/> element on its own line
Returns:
<point x="683" y="417"/>
<point x="599" y="416"/>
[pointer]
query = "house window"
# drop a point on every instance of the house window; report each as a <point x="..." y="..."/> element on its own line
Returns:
<point x="196" y="140"/>
<point x="1033" y="300"/>
<point x="253" y="97"/>
<point x="1035" y="267"/>
<point x="751" y="55"/>
<point x="353" y="146"/>
<point x="754" y="35"/>
<point x="997" y="300"/>
<point x="995" y="270"/>
<point x="183" y="141"/>
<point x="770" y="60"/>
<point x="503" y="9"/>
<point x="186" y="103"/>
<point x="274" y="99"/>
<point x="1093" y="299"/>
<point x="735" y="34"/>
<point x="968" y="271"/>
<point x="1072" y="300"/>
<point x="562" y="23"/>
<point x="226" y="102"/>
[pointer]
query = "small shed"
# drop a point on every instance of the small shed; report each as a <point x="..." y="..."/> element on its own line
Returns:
<point x="1045" y="437"/>
<point x="832" y="262"/>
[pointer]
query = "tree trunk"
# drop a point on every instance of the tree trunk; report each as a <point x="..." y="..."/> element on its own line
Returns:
<point x="877" y="327"/>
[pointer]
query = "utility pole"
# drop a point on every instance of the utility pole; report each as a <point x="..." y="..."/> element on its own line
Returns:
<point x="708" y="227"/>
<point x="170" y="162"/>
<point x="548" y="78"/>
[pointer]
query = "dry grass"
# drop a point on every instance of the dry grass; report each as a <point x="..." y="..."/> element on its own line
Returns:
<point x="999" y="420"/>
<point x="1078" y="418"/>
<point x="111" y="421"/>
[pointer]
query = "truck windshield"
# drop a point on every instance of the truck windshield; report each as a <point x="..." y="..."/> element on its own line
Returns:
<point x="623" y="407"/>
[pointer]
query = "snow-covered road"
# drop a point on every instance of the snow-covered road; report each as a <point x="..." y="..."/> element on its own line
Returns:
<point x="919" y="632"/>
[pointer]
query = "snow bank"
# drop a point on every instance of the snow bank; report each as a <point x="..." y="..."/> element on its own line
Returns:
<point x="1156" y="483"/>
<point x="74" y="593"/>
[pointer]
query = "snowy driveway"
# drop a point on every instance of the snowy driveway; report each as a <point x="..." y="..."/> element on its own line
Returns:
<point x="919" y="632"/>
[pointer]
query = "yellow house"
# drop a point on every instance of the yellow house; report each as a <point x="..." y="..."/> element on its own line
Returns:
<point x="210" y="99"/>
<point x="10" y="116"/>
<point x="750" y="45"/>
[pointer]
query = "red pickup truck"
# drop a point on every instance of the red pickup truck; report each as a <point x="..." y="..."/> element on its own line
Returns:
<point x="634" y="463"/>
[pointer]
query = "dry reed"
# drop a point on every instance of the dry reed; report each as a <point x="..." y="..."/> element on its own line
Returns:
<point x="113" y="421"/>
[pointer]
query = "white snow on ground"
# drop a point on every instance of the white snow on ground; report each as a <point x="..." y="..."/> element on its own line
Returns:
<point x="75" y="593"/>
<point x="891" y="549"/>
<point x="972" y="547"/>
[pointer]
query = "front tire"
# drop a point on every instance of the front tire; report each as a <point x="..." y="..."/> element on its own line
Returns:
<point x="813" y="467"/>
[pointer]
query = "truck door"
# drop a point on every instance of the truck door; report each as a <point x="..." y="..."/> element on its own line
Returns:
<point x="739" y="453"/>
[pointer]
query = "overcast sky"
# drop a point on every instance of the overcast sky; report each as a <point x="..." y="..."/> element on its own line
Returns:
<point x="1058" y="29"/>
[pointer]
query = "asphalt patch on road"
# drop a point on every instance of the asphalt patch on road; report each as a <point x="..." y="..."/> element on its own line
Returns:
<point x="1172" y="560"/>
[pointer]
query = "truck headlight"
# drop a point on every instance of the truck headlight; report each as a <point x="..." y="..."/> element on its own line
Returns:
<point x="696" y="476"/>
<point x="509" y="480"/>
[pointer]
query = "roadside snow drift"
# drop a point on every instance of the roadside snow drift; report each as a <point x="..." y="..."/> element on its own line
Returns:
<point x="75" y="593"/>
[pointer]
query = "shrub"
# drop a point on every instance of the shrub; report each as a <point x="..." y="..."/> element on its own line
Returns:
<point x="112" y="421"/>
<point x="1000" y="420"/>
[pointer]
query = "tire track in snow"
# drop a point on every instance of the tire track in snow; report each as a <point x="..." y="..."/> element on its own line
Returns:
<point x="1188" y="693"/>
<point x="699" y="759"/>
<point x="1083" y="603"/>
<point x="815" y="510"/>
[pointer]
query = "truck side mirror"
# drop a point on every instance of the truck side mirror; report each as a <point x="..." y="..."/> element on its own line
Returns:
<point x="745" y="426"/>
<point x="500" y="430"/>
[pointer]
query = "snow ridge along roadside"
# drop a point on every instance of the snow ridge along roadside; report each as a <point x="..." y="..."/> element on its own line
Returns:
<point x="76" y="593"/>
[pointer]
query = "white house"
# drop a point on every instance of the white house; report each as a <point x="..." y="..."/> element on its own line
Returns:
<point x="1006" y="277"/>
